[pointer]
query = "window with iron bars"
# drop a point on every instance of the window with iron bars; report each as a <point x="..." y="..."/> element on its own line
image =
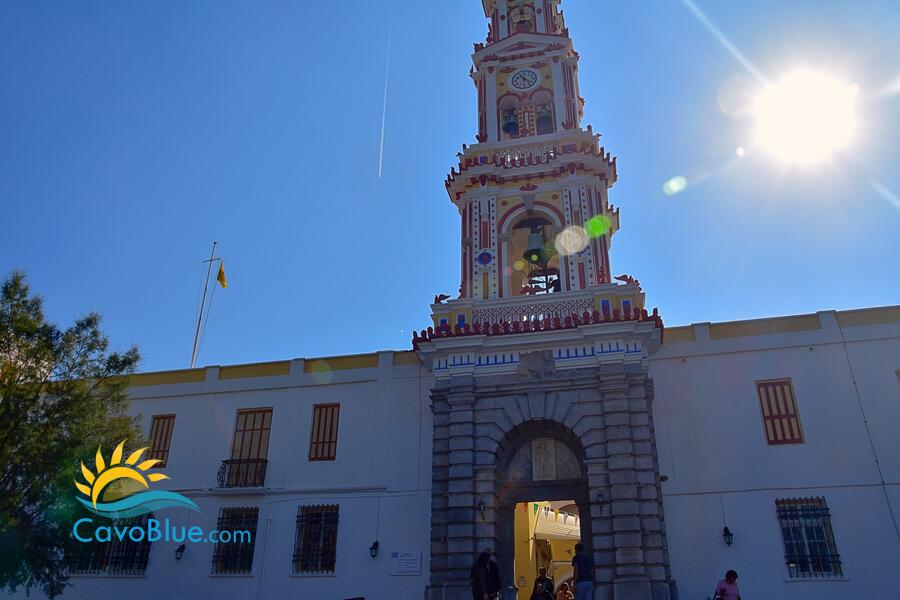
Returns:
<point x="315" y="547"/>
<point x="809" y="548"/>
<point x="115" y="557"/>
<point x="235" y="557"/>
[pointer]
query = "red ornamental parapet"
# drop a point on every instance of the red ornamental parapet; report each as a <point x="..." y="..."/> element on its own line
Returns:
<point x="552" y="324"/>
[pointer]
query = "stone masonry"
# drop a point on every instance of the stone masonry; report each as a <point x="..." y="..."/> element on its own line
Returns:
<point x="604" y="415"/>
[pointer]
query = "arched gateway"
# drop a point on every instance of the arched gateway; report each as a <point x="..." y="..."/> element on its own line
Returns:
<point x="583" y="434"/>
<point x="540" y="366"/>
<point x="538" y="459"/>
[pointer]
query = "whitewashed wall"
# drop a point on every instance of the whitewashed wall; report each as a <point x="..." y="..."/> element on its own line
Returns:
<point x="720" y="470"/>
<point x="711" y="445"/>
<point x="380" y="479"/>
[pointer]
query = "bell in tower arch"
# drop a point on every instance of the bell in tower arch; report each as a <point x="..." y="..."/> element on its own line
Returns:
<point x="535" y="251"/>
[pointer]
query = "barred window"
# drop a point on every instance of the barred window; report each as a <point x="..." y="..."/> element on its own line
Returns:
<point x="115" y="557"/>
<point x="235" y="556"/>
<point x="160" y="438"/>
<point x="779" y="411"/>
<point x="809" y="548"/>
<point x="315" y="547"/>
<point x="323" y="438"/>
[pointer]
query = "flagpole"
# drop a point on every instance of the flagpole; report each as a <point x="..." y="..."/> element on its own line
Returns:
<point x="202" y="303"/>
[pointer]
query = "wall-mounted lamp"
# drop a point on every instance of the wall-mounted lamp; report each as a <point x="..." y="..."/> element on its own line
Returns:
<point x="481" y="508"/>
<point x="179" y="552"/>
<point x="727" y="536"/>
<point x="373" y="549"/>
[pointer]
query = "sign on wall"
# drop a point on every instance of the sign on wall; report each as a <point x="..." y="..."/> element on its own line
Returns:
<point x="406" y="562"/>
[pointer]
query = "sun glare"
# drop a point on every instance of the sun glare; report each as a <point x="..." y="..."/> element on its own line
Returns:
<point x="806" y="117"/>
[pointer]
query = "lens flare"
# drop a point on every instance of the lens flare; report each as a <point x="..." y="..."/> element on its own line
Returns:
<point x="806" y="117"/>
<point x="675" y="185"/>
<point x="320" y="371"/>
<point x="572" y="240"/>
<point x="740" y="151"/>
<point x="519" y="264"/>
<point x="597" y="226"/>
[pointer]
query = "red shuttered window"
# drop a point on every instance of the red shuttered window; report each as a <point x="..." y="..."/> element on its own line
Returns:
<point x="160" y="437"/>
<point x="779" y="412"/>
<point x="251" y="434"/>
<point x="323" y="439"/>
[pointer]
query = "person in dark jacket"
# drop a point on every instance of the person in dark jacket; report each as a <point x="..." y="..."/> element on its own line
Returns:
<point x="485" y="577"/>
<point x="543" y="586"/>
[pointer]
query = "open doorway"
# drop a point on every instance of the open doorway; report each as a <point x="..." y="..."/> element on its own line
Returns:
<point x="545" y="536"/>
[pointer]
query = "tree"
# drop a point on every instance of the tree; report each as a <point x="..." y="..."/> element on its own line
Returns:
<point x="62" y="393"/>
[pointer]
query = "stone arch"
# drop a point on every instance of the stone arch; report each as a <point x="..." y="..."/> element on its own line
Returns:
<point x="523" y="433"/>
<point x="518" y="479"/>
<point x="601" y="418"/>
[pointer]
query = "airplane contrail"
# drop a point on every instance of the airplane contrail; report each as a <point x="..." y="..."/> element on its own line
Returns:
<point x="387" y="70"/>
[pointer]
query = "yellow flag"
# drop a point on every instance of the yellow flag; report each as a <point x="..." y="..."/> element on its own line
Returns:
<point x="221" y="276"/>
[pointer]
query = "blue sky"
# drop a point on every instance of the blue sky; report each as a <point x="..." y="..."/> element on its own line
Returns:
<point x="134" y="134"/>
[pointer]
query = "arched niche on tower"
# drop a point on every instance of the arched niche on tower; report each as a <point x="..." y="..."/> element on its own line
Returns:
<point x="545" y="119"/>
<point x="523" y="277"/>
<point x="526" y="115"/>
<point x="508" y="107"/>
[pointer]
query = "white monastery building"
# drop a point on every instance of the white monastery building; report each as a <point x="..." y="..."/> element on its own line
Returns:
<point x="545" y="392"/>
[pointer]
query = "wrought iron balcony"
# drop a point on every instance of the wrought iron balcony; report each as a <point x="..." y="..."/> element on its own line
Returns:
<point x="242" y="472"/>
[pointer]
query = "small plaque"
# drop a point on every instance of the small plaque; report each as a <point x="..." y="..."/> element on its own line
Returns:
<point x="543" y="460"/>
<point x="406" y="562"/>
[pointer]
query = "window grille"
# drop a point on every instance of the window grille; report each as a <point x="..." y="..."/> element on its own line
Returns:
<point x="315" y="546"/>
<point x="115" y="557"/>
<point x="323" y="439"/>
<point x="235" y="557"/>
<point x="779" y="411"/>
<point x="160" y="438"/>
<point x="809" y="548"/>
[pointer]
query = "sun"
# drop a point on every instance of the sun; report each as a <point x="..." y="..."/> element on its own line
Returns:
<point x="806" y="117"/>
<point x="106" y="475"/>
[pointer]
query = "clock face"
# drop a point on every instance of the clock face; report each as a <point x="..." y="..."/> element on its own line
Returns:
<point x="524" y="79"/>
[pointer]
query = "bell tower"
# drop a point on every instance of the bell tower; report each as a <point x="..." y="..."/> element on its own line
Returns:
<point x="540" y="364"/>
<point x="535" y="220"/>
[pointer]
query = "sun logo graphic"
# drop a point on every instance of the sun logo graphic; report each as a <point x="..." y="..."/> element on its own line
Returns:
<point x="125" y="486"/>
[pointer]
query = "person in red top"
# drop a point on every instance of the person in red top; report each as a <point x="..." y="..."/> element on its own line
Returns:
<point x="727" y="589"/>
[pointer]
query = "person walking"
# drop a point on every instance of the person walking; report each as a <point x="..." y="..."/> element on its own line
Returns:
<point x="485" y="577"/>
<point x="584" y="573"/>
<point x="543" y="586"/>
<point x="727" y="589"/>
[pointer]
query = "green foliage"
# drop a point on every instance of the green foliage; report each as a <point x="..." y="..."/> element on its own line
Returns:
<point x="62" y="393"/>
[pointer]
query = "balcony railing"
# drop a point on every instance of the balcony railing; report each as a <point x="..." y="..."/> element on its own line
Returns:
<point x="242" y="472"/>
<point x="540" y="307"/>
